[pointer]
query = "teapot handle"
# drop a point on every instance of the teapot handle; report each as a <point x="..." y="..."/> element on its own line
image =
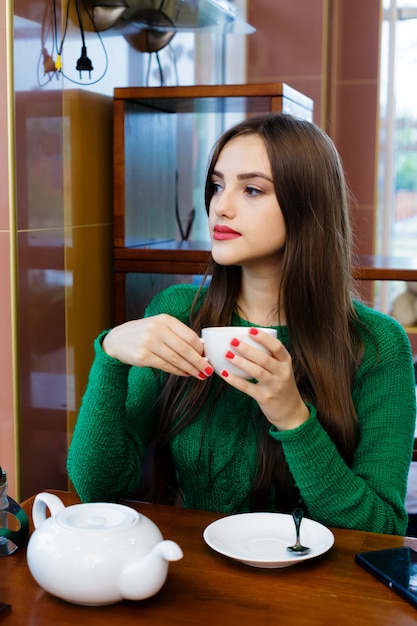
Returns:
<point x="43" y="500"/>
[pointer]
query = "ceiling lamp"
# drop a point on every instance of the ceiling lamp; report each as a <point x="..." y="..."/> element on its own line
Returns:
<point x="187" y="15"/>
<point x="100" y="15"/>
<point x="156" y="30"/>
<point x="149" y="25"/>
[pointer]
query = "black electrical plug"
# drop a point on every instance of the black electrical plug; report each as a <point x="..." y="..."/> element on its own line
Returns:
<point x="84" y="63"/>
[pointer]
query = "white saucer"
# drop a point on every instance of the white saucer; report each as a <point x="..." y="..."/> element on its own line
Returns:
<point x="261" y="539"/>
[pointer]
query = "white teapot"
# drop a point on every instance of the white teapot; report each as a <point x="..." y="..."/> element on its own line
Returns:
<point x="97" y="553"/>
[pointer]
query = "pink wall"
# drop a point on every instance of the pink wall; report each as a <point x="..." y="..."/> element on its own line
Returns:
<point x="288" y="46"/>
<point x="328" y="50"/>
<point x="354" y="111"/>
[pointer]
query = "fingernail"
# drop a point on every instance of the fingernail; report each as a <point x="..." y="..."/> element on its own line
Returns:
<point x="235" y="342"/>
<point x="225" y="374"/>
<point x="253" y="331"/>
<point x="230" y="354"/>
<point x="202" y="376"/>
<point x="209" y="370"/>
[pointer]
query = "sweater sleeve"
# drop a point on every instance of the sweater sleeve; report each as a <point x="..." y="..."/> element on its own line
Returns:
<point x="117" y="418"/>
<point x="369" y="494"/>
<point x="114" y="426"/>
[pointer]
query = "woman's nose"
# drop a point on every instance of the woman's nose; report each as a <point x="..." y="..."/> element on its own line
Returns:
<point x="223" y="204"/>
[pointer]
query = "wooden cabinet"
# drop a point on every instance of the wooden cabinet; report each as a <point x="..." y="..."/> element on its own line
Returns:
<point x="385" y="268"/>
<point x="162" y="140"/>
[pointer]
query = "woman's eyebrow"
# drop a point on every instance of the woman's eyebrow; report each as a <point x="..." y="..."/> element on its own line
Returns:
<point x="245" y="175"/>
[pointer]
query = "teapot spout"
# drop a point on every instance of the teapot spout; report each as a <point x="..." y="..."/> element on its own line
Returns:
<point x="145" y="577"/>
<point x="169" y="550"/>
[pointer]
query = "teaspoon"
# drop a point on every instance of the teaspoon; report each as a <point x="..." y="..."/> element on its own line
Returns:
<point x="298" y="548"/>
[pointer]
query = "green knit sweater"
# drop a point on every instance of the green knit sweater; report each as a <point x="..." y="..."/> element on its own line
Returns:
<point x="116" y="423"/>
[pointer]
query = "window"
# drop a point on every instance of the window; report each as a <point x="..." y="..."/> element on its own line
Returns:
<point x="397" y="171"/>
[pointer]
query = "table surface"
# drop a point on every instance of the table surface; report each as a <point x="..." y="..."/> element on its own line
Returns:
<point x="208" y="588"/>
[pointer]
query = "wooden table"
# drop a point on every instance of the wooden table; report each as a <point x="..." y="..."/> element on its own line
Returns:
<point x="207" y="588"/>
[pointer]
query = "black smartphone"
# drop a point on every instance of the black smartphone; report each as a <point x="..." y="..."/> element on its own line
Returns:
<point x="395" y="567"/>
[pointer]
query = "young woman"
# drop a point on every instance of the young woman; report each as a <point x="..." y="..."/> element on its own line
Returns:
<point x="326" y="419"/>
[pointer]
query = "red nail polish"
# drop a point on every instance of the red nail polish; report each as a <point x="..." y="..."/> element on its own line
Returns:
<point x="253" y="331"/>
<point x="209" y="370"/>
<point x="229" y="354"/>
<point x="225" y="374"/>
<point x="235" y="342"/>
<point x="202" y="376"/>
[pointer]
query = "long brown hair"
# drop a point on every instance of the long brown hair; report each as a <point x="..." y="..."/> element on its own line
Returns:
<point x="315" y="293"/>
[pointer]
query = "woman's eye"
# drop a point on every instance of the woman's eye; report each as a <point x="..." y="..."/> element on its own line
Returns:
<point x="253" y="191"/>
<point x="217" y="188"/>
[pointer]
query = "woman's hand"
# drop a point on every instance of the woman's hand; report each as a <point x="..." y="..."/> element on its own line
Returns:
<point x="275" y="391"/>
<point x="162" y="342"/>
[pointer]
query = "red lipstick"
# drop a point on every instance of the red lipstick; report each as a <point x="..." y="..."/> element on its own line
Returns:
<point x="221" y="233"/>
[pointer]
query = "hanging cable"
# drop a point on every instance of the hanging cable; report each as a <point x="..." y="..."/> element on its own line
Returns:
<point x="148" y="70"/>
<point x="174" y="63"/>
<point x="161" y="71"/>
<point x="84" y="63"/>
<point x="46" y="59"/>
<point x="58" y="62"/>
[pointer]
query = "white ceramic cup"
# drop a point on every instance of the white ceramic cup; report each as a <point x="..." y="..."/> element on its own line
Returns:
<point x="217" y="340"/>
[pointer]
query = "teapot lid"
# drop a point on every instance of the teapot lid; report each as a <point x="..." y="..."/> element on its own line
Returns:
<point x="97" y="516"/>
